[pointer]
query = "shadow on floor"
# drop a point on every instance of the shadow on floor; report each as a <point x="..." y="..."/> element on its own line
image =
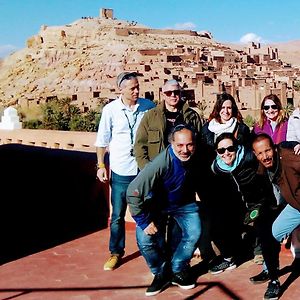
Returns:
<point x="48" y="197"/>
<point x="206" y="287"/>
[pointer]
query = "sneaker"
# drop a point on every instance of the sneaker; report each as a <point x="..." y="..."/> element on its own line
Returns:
<point x="222" y="266"/>
<point x="273" y="290"/>
<point x="112" y="262"/>
<point x="159" y="283"/>
<point x="258" y="259"/>
<point x="260" y="278"/>
<point x="183" y="280"/>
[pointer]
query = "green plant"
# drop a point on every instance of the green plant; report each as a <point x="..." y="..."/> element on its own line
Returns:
<point x="33" y="124"/>
<point x="201" y="108"/>
<point x="288" y="109"/>
<point x="57" y="114"/>
<point x="249" y="121"/>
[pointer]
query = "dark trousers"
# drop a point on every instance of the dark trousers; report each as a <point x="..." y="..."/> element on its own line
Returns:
<point x="227" y="227"/>
<point x="270" y="246"/>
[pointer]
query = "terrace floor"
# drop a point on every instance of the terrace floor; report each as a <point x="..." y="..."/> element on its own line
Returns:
<point x="74" y="271"/>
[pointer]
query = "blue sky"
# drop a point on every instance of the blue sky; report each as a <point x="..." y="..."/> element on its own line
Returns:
<point x="228" y="20"/>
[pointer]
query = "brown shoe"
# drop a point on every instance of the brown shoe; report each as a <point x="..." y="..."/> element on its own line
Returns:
<point x="112" y="263"/>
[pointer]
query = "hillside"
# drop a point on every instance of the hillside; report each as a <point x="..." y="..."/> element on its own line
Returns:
<point x="81" y="56"/>
<point x="289" y="52"/>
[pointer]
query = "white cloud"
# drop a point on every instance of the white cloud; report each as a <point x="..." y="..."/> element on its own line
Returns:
<point x="185" y="26"/>
<point x="5" y="50"/>
<point x="251" y="37"/>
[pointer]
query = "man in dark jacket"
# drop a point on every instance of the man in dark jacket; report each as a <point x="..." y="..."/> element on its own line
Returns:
<point x="166" y="187"/>
<point x="152" y="138"/>
<point x="282" y="167"/>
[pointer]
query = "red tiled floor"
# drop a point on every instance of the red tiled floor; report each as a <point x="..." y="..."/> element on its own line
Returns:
<point x="74" y="271"/>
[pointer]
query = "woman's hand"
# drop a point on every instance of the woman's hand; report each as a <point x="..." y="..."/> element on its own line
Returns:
<point x="297" y="149"/>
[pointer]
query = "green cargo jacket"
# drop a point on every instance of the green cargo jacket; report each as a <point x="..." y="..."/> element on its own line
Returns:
<point x="149" y="141"/>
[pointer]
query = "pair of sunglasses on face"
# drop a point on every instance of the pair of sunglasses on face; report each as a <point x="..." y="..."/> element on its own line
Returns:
<point x="223" y="150"/>
<point x="175" y="92"/>
<point x="267" y="107"/>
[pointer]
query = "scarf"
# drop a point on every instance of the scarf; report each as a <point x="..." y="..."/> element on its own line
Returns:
<point x="218" y="128"/>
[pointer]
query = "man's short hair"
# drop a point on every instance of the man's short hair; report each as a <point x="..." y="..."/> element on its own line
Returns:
<point x="263" y="136"/>
<point x="169" y="83"/>
<point x="180" y="127"/>
<point x="125" y="76"/>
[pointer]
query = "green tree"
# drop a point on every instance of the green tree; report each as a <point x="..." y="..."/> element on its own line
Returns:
<point x="87" y="122"/>
<point x="33" y="124"/>
<point x="57" y="114"/>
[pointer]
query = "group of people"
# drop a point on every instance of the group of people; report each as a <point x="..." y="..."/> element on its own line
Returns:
<point x="161" y="156"/>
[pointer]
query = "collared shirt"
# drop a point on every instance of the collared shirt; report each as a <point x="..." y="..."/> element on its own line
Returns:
<point x="114" y="132"/>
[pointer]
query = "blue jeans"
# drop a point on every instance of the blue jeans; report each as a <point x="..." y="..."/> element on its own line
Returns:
<point x="285" y="223"/>
<point x="153" y="247"/>
<point x="119" y="186"/>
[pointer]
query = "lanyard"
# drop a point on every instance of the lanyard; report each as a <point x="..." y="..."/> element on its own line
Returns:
<point x="131" y="126"/>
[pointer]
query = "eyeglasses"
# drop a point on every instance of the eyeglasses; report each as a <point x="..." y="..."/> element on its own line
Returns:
<point x="267" y="107"/>
<point x="175" y="92"/>
<point x="229" y="149"/>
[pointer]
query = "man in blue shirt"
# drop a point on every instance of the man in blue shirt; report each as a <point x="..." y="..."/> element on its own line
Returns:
<point x="167" y="187"/>
<point x="116" y="133"/>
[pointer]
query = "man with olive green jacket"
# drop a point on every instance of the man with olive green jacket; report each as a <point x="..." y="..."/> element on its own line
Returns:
<point x="153" y="131"/>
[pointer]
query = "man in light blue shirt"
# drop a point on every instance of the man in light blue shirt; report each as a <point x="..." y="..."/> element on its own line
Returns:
<point x="116" y="133"/>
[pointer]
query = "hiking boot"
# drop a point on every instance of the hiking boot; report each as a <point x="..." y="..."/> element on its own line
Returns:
<point x="112" y="263"/>
<point x="183" y="280"/>
<point x="258" y="259"/>
<point x="273" y="290"/>
<point x="260" y="278"/>
<point x="160" y="282"/>
<point x="221" y="266"/>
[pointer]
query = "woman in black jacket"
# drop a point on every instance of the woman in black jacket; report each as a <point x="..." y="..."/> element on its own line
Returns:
<point x="254" y="195"/>
<point x="225" y="117"/>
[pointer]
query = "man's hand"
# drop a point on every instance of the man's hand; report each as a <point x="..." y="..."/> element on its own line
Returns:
<point x="150" y="229"/>
<point x="102" y="175"/>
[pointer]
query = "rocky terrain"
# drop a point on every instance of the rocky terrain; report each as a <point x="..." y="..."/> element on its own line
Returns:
<point x="289" y="52"/>
<point x="87" y="54"/>
<point x="81" y="56"/>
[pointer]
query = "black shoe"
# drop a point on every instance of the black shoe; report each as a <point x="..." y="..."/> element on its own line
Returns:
<point x="222" y="265"/>
<point x="260" y="278"/>
<point x="160" y="282"/>
<point x="183" y="280"/>
<point x="273" y="290"/>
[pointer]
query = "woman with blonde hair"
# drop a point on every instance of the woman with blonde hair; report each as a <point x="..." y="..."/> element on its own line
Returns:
<point x="272" y="119"/>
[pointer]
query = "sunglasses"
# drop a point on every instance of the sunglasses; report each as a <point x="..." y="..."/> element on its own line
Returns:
<point x="175" y="92"/>
<point x="267" y="107"/>
<point x="229" y="149"/>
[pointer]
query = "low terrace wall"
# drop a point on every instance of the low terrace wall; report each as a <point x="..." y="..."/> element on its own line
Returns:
<point x="49" y="192"/>
<point x="53" y="139"/>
